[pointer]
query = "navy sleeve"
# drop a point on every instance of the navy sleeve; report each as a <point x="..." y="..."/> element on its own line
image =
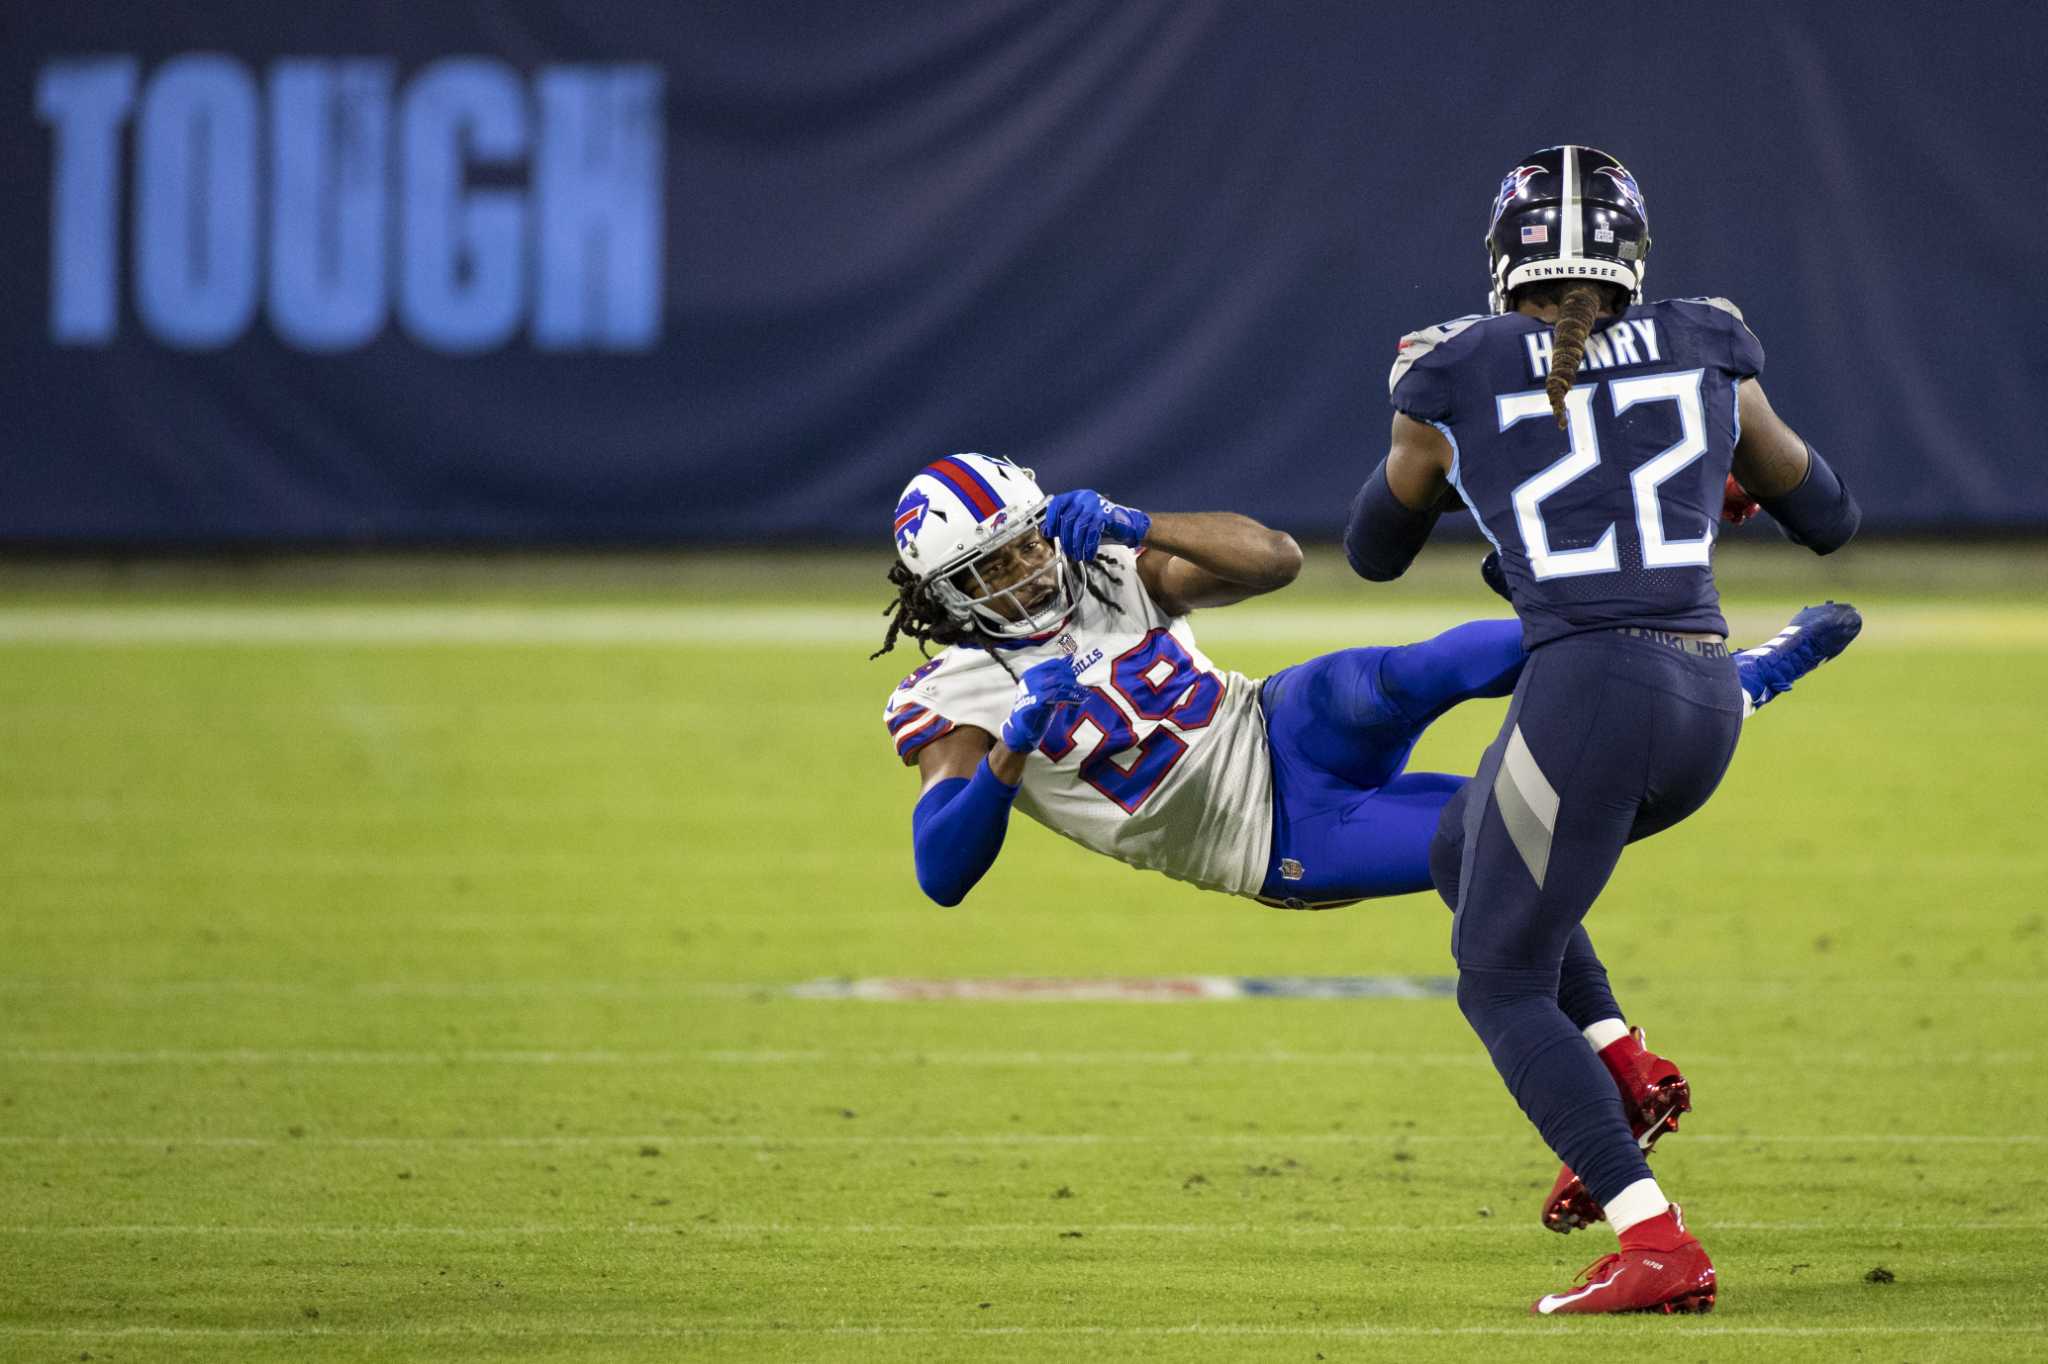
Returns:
<point x="1424" y="393"/>
<point x="1721" y="336"/>
<point x="1746" y="353"/>
<point x="1384" y="533"/>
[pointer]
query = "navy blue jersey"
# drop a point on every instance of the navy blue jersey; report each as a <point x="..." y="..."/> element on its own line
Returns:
<point x="1612" y="522"/>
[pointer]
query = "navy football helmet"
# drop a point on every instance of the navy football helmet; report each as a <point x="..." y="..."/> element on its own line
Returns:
<point x="1567" y="212"/>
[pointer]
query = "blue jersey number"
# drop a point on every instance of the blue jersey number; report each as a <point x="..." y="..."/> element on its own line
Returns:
<point x="1158" y="681"/>
<point x="1584" y="456"/>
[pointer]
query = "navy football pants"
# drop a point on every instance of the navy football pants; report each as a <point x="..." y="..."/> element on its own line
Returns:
<point x="1610" y="738"/>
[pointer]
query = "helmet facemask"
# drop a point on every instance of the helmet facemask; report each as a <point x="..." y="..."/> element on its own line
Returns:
<point x="966" y="592"/>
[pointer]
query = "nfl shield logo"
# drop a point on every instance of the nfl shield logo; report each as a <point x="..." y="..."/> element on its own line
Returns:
<point x="1535" y="233"/>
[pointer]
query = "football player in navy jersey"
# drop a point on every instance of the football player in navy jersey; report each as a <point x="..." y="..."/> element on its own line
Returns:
<point x="1593" y="436"/>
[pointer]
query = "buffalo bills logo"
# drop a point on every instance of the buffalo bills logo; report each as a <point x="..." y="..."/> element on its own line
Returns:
<point x="910" y="517"/>
<point x="1625" y="185"/>
<point x="1511" y="187"/>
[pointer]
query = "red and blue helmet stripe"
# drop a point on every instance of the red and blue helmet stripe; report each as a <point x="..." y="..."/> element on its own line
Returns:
<point x="967" y="484"/>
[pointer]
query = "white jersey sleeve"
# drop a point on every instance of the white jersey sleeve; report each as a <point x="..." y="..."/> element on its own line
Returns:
<point x="1165" y="764"/>
<point x="959" y="687"/>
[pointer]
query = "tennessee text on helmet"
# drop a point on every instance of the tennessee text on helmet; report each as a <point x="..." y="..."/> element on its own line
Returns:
<point x="954" y="519"/>
<point x="1567" y="212"/>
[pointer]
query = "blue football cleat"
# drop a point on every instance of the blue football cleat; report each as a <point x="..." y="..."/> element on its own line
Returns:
<point x="1809" y="639"/>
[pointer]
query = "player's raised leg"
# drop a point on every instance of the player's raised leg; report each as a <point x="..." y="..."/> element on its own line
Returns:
<point x="1356" y="713"/>
<point x="1812" y="637"/>
<point x="1349" y="823"/>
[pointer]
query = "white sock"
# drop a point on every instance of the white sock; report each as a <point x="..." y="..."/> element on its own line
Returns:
<point x="1604" y="1033"/>
<point x="1639" y="1202"/>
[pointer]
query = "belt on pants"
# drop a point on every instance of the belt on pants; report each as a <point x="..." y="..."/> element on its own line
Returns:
<point x="1705" y="648"/>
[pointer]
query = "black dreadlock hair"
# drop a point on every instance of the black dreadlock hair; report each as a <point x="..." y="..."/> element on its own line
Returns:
<point x="1579" y="301"/>
<point x="916" y="614"/>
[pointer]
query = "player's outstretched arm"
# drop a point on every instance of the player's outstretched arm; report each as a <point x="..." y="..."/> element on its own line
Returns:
<point x="1791" y="480"/>
<point x="1195" y="558"/>
<point x="1398" y="507"/>
<point x="970" y="782"/>
<point x="1198" y="559"/>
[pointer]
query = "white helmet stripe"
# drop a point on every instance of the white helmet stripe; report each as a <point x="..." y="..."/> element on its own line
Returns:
<point x="1570" y="213"/>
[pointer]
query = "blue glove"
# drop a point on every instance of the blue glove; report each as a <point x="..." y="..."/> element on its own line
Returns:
<point x="1044" y="688"/>
<point x="1082" y="519"/>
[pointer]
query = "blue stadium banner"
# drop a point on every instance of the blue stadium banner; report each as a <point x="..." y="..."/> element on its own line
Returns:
<point x="520" y="272"/>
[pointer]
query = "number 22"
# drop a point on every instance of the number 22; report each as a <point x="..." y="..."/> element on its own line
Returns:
<point x="1600" y="557"/>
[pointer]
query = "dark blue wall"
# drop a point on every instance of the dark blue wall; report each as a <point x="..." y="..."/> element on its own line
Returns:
<point x="541" y="271"/>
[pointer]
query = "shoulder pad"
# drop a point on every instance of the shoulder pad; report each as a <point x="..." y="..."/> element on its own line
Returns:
<point x="1415" y="345"/>
<point x="1723" y="304"/>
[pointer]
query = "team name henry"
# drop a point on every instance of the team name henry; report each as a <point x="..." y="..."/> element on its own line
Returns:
<point x="1627" y="342"/>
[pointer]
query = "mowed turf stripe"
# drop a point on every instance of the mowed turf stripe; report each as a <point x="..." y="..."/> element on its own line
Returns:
<point x="801" y="627"/>
<point x="236" y="1056"/>
<point x="761" y="1140"/>
<point x="963" y="1232"/>
<point x="668" y="991"/>
<point x="1659" y="1327"/>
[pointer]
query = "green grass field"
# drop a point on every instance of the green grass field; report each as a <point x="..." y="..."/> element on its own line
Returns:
<point x="394" y="966"/>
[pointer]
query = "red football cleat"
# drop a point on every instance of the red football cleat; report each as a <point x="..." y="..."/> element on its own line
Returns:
<point x="1661" y="1267"/>
<point x="1653" y="1094"/>
<point x="1570" y="1207"/>
<point x="1737" y="505"/>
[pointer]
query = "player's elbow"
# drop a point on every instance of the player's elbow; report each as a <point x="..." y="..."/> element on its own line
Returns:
<point x="941" y="891"/>
<point x="1384" y="534"/>
<point x="1282" y="561"/>
<point x="1370" y="561"/>
<point x="1370" y="569"/>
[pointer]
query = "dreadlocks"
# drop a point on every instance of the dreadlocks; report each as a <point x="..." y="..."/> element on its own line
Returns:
<point x="915" y="613"/>
<point x="1579" y="303"/>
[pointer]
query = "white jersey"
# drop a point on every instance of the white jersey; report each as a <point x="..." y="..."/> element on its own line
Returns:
<point x="1164" y="767"/>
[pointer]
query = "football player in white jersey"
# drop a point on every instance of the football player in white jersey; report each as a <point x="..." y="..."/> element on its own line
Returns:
<point x="1070" y="685"/>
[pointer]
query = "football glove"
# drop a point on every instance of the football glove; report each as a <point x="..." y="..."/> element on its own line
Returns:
<point x="1083" y="519"/>
<point x="1737" y="505"/>
<point x="1044" y="688"/>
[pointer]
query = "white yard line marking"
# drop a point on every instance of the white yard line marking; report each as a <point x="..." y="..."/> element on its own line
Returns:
<point x="1511" y="1225"/>
<point x="406" y="989"/>
<point x="797" y="627"/>
<point x="1660" y="1327"/>
<point x="772" y="1142"/>
<point x="670" y="990"/>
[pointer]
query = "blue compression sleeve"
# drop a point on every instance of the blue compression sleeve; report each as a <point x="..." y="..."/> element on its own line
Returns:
<point x="1384" y="533"/>
<point x="957" y="830"/>
<point x="1820" y="513"/>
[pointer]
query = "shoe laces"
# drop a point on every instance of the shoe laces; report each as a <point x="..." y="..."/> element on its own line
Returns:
<point x="1591" y="1273"/>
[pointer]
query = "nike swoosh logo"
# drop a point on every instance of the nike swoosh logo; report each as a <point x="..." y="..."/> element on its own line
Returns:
<point x="1550" y="1302"/>
<point x="1655" y="1129"/>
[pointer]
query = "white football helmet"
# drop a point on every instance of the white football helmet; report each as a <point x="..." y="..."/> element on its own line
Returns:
<point x="958" y="512"/>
